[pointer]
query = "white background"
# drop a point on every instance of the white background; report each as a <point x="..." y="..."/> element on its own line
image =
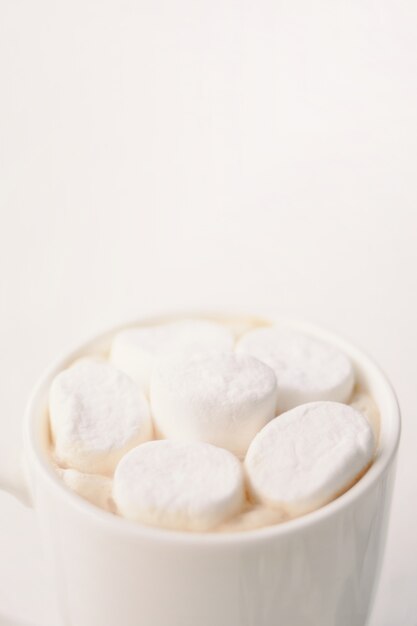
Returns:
<point x="226" y="154"/>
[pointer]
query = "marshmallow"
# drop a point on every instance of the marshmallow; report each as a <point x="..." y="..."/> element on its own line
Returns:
<point x="136" y="350"/>
<point x="183" y="486"/>
<point x="307" y="456"/>
<point x="97" y="413"/>
<point x="306" y="368"/>
<point x="221" y="398"/>
<point x="251" y="517"/>
<point x="92" y="487"/>
<point x="365" y="404"/>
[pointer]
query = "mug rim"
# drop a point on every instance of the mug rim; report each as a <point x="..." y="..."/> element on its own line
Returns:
<point x="33" y="448"/>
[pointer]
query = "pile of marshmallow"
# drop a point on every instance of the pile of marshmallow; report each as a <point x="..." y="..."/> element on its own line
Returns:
<point x="182" y="425"/>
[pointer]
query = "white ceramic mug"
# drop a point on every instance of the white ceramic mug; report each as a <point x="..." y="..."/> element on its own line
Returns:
<point x="318" y="570"/>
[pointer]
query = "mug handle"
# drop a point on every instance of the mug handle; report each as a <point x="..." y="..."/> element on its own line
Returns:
<point x="14" y="479"/>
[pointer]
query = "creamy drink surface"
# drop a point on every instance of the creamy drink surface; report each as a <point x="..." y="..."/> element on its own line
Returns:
<point x="95" y="485"/>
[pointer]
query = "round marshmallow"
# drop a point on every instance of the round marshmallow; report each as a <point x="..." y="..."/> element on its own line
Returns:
<point x="221" y="398"/>
<point x="365" y="404"/>
<point x="307" y="456"/>
<point x="136" y="350"/>
<point x="179" y="485"/>
<point x="306" y="369"/>
<point x="92" y="487"/>
<point x="97" y="413"/>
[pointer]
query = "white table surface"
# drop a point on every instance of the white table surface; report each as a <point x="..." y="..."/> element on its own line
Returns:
<point x="228" y="154"/>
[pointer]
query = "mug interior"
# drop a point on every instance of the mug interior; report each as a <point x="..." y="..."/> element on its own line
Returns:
<point x="368" y="376"/>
